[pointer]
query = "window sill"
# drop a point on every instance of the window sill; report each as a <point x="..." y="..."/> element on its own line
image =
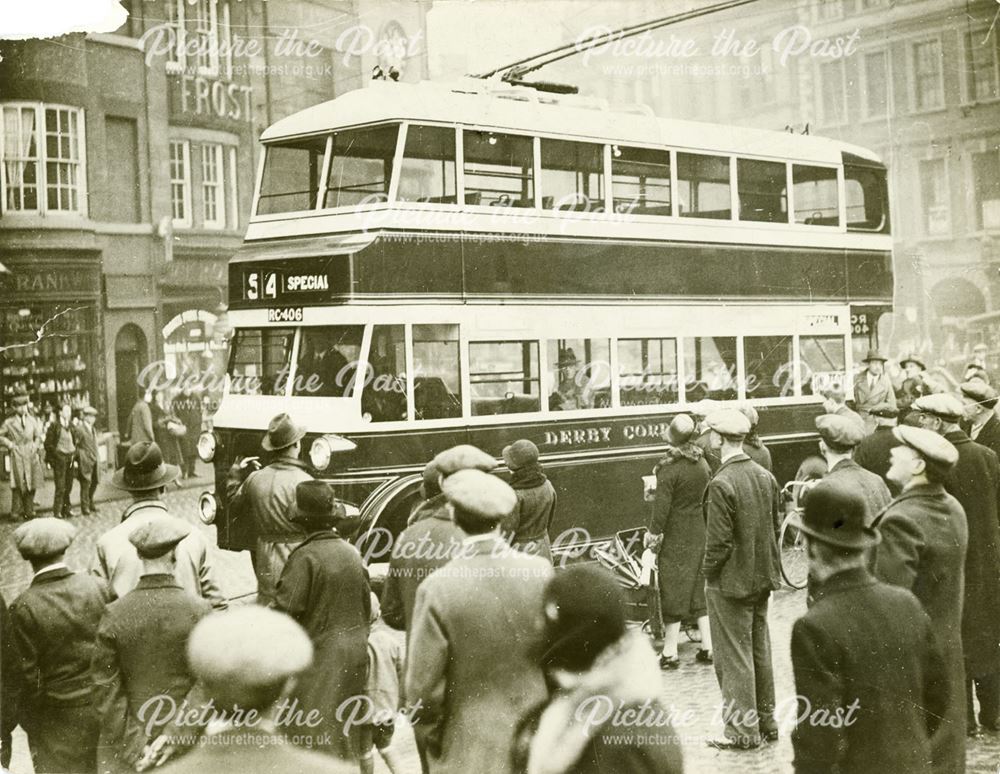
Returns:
<point x="112" y="39"/>
<point x="915" y="111"/>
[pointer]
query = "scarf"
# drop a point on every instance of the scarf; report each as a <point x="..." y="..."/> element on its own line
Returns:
<point x="527" y="477"/>
<point x="686" y="451"/>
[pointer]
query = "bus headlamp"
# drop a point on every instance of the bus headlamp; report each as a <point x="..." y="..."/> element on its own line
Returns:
<point x="206" y="446"/>
<point x="208" y="507"/>
<point x="324" y="447"/>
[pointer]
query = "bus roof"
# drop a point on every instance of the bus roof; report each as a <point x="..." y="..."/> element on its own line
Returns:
<point x="477" y="103"/>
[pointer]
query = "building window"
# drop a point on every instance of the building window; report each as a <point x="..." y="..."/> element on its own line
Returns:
<point x="201" y="36"/>
<point x="934" y="197"/>
<point x="42" y="151"/>
<point x="982" y="52"/>
<point x="876" y="91"/>
<point x="763" y="190"/>
<point x="572" y="176"/>
<point x="703" y="186"/>
<point x="180" y="182"/>
<point x="640" y="180"/>
<point x="212" y="187"/>
<point x="833" y="93"/>
<point x="499" y="169"/>
<point x="986" y="179"/>
<point x="928" y="75"/>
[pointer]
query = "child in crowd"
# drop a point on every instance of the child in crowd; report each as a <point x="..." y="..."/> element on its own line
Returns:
<point x="386" y="655"/>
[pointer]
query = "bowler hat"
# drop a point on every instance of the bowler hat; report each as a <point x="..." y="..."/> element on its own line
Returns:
<point x="144" y="469"/>
<point x="158" y="535"/>
<point x="282" y="432"/>
<point x="584" y="614"/>
<point x="914" y="358"/>
<point x="680" y="430"/>
<point x="520" y="454"/>
<point x="835" y="514"/>
<point x="941" y="405"/>
<point x="42" y="538"/>
<point x="874" y="354"/>
<point x="567" y="359"/>
<point x="316" y="505"/>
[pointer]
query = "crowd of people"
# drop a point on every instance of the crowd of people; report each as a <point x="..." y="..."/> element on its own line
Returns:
<point x="503" y="663"/>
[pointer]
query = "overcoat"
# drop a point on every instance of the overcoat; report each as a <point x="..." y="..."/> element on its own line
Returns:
<point x="872" y="489"/>
<point x="681" y="478"/>
<point x="472" y="656"/>
<point x="141" y="653"/>
<point x="140" y="423"/>
<point x="324" y="586"/>
<point x="53" y="627"/>
<point x="873" y="453"/>
<point x="867" y="397"/>
<point x="759" y="453"/>
<point x="23" y="438"/>
<point x="924" y="540"/>
<point x="866" y="644"/>
<point x="528" y="524"/>
<point x="87" y="456"/>
<point x="989" y="434"/>
<point x="975" y="483"/>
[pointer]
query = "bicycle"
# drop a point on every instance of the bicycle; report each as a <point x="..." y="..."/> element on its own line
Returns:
<point x="791" y="542"/>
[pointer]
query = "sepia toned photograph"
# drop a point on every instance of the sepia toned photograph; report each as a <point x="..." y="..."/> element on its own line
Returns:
<point x="500" y="386"/>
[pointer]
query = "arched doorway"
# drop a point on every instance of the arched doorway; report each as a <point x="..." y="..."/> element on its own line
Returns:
<point x="131" y="356"/>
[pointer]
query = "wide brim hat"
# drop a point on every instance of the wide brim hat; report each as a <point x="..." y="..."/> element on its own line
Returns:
<point x="567" y="359"/>
<point x="316" y="505"/>
<point x="520" y="454"/>
<point x="144" y="469"/>
<point x="282" y="432"/>
<point x="874" y="354"/>
<point x="835" y="514"/>
<point x="915" y="359"/>
<point x="680" y="430"/>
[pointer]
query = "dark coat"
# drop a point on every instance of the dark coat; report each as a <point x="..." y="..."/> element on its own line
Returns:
<point x="759" y="453"/>
<point x="873" y="453"/>
<point x="10" y="685"/>
<point x="140" y="423"/>
<point x="528" y="524"/>
<point x="324" y="586"/>
<point x="52" y="439"/>
<point x="867" y="644"/>
<point x="872" y="489"/>
<point x="188" y="411"/>
<point x="141" y="652"/>
<point x="989" y="434"/>
<point x="87" y="456"/>
<point x="53" y="628"/>
<point x="167" y="441"/>
<point x="741" y="507"/>
<point x="681" y="478"/>
<point x="975" y="483"/>
<point x="254" y="751"/>
<point x="924" y="540"/>
<point x="419" y="550"/>
<point x="472" y="660"/>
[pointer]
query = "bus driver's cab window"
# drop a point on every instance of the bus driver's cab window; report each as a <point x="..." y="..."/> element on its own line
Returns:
<point x="383" y="397"/>
<point x="579" y="374"/>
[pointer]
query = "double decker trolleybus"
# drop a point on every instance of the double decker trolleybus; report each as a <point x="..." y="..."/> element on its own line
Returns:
<point x="430" y="265"/>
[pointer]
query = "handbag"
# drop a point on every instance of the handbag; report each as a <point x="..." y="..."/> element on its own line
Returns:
<point x="176" y="428"/>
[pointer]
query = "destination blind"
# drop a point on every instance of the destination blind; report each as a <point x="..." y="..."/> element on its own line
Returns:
<point x="289" y="282"/>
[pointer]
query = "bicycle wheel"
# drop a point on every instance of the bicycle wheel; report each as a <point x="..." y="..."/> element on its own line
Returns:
<point x="794" y="560"/>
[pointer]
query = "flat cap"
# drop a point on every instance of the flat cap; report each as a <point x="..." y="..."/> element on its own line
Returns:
<point x="750" y="413"/>
<point x="40" y="538"/>
<point x="158" y="535"/>
<point x="928" y="444"/>
<point x="703" y="408"/>
<point x="463" y="457"/>
<point x="89" y="411"/>
<point x="839" y="430"/>
<point x="980" y="392"/>
<point x="479" y="493"/>
<point x="940" y="404"/>
<point x="728" y="422"/>
<point x="884" y="410"/>
<point x="246" y="648"/>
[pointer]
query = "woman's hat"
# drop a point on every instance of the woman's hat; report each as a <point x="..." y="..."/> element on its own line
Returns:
<point x="316" y="505"/>
<point x="520" y="454"/>
<point x="681" y="430"/>
<point x="282" y="432"/>
<point x="914" y="358"/>
<point x="835" y="515"/>
<point x="144" y="469"/>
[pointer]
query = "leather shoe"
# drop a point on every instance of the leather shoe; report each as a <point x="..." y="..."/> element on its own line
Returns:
<point x="669" y="662"/>
<point x="770" y="736"/>
<point x="732" y="744"/>
<point x="703" y="656"/>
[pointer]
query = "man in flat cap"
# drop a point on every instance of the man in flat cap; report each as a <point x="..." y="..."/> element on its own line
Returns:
<point x="472" y="664"/>
<point x="839" y="436"/>
<point x="87" y="459"/>
<point x="741" y="568"/>
<point x="863" y="648"/>
<point x="873" y="451"/>
<point x="431" y="539"/>
<point x="145" y="476"/>
<point x="267" y="497"/>
<point x="139" y="656"/>
<point x="872" y="387"/>
<point x="924" y="541"/>
<point x="980" y="413"/>
<point x="21" y="436"/>
<point x="975" y="482"/>
<point x="248" y="660"/>
<point x="835" y="402"/>
<point x="324" y="586"/>
<point x="53" y="625"/>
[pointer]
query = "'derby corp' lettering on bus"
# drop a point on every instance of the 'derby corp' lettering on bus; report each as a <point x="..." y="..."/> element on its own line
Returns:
<point x="577" y="436"/>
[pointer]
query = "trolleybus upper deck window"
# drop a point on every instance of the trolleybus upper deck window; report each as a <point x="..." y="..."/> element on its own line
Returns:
<point x="710" y="368"/>
<point x="260" y="361"/>
<point x="360" y="166"/>
<point x="768" y="364"/>
<point x="640" y="180"/>
<point x="291" y="176"/>
<point x="328" y="361"/>
<point x="499" y="169"/>
<point x="572" y="176"/>
<point x="428" y="168"/>
<point x="762" y="186"/>
<point x="579" y="373"/>
<point x="503" y="377"/>
<point x="822" y="362"/>
<point x="703" y="186"/>
<point x="867" y="199"/>
<point x="647" y="371"/>
<point x="815" y="195"/>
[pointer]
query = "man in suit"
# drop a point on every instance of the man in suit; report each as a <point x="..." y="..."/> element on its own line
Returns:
<point x="140" y="648"/>
<point x="21" y="435"/>
<point x="741" y="570"/>
<point x="87" y="460"/>
<point x="975" y="483"/>
<point x="924" y="540"/>
<point x="864" y="649"/>
<point x="53" y="625"/>
<point x="980" y="412"/>
<point x="839" y="437"/>
<point x="873" y="451"/>
<point x="872" y="387"/>
<point x="60" y="453"/>
<point x="144" y="476"/>
<point x="472" y="664"/>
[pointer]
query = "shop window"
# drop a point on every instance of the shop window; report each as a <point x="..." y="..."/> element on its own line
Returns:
<point x="640" y="180"/>
<point x="710" y="368"/>
<point x="213" y="197"/>
<point x="578" y="371"/>
<point x="437" y="378"/>
<point x="815" y="195"/>
<point x="572" y="176"/>
<point x="291" y="176"/>
<point x="43" y="158"/>
<point x="703" y="186"/>
<point x="647" y="372"/>
<point x="499" y="169"/>
<point x="822" y="363"/>
<point x="763" y="190"/>
<point x="360" y="166"/>
<point x="504" y="377"/>
<point x="260" y="361"/>
<point x="427" y="173"/>
<point x="180" y="182"/>
<point x="328" y="361"/>
<point x="768" y="362"/>
<point x="383" y="396"/>
<point x="867" y="199"/>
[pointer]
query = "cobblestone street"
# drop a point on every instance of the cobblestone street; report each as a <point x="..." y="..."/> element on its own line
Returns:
<point x="691" y="689"/>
